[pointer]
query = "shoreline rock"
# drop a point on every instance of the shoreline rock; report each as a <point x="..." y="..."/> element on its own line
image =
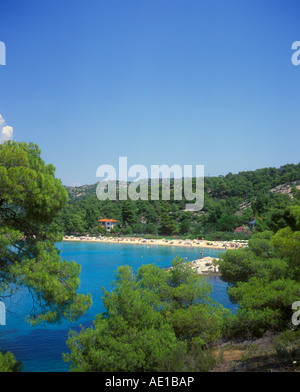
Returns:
<point x="205" y="266"/>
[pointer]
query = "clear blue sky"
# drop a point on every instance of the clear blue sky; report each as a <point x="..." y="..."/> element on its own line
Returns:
<point x="198" y="82"/>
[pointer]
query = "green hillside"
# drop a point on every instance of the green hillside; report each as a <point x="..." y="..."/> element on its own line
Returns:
<point x="230" y="203"/>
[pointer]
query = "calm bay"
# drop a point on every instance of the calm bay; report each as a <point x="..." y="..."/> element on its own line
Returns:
<point x="40" y="348"/>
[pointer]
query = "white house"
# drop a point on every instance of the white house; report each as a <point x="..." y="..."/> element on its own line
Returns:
<point x="107" y="223"/>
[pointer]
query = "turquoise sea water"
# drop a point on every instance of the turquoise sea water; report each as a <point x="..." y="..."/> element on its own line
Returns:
<point x="40" y="348"/>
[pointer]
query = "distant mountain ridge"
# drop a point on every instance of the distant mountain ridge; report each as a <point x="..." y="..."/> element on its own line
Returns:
<point x="243" y="184"/>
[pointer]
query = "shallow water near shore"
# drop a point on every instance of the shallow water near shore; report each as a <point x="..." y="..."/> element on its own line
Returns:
<point x="40" y="348"/>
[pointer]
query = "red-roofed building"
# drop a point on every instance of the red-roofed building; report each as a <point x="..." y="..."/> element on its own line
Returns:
<point x="107" y="223"/>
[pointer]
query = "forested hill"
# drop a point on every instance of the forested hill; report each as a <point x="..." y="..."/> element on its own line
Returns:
<point x="249" y="183"/>
<point x="230" y="202"/>
<point x="80" y="192"/>
<point x="244" y="184"/>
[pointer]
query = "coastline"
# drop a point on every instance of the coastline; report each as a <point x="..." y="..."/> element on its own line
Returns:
<point x="221" y="245"/>
<point x="203" y="265"/>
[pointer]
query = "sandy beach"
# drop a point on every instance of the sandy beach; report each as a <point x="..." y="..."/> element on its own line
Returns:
<point x="221" y="245"/>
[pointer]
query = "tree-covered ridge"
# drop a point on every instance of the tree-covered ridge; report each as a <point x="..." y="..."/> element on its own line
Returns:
<point x="76" y="192"/>
<point x="243" y="184"/>
<point x="230" y="202"/>
<point x="247" y="184"/>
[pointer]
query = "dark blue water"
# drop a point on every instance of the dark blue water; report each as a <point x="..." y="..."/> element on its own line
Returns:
<point x="40" y="348"/>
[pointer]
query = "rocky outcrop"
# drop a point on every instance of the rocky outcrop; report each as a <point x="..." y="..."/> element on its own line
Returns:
<point x="205" y="266"/>
<point x="286" y="188"/>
